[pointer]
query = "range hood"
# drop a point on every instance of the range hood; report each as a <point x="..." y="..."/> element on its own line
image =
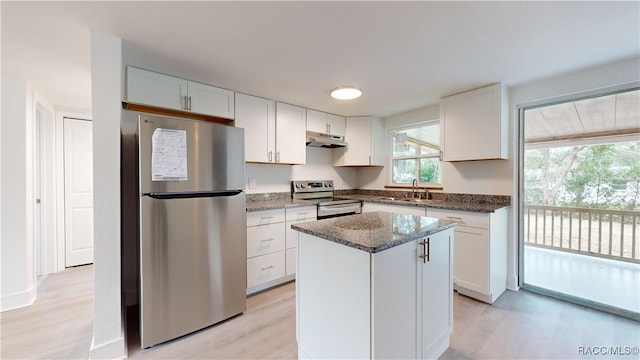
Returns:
<point x="315" y="139"/>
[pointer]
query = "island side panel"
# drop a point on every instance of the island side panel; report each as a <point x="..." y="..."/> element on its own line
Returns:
<point x="333" y="300"/>
<point x="395" y="301"/>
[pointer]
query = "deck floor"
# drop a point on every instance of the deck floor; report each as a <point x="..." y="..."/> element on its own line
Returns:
<point x="609" y="282"/>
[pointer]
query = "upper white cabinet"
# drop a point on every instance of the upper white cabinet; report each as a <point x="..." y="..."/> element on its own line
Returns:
<point x="273" y="132"/>
<point x="474" y="125"/>
<point x="366" y="145"/>
<point x="324" y="123"/>
<point x="258" y="118"/>
<point x="150" y="88"/>
<point x="291" y="134"/>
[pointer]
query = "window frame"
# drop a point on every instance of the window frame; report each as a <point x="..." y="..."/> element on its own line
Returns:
<point x="437" y="154"/>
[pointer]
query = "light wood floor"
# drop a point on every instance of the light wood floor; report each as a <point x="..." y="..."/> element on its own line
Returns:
<point x="520" y="325"/>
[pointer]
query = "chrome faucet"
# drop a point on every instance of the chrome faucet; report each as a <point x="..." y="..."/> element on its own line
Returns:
<point x="414" y="185"/>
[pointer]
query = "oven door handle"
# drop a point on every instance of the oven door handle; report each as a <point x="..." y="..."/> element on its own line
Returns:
<point x="341" y="206"/>
<point x="336" y="209"/>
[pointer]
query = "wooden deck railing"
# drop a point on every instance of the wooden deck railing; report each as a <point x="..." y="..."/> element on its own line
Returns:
<point x="609" y="234"/>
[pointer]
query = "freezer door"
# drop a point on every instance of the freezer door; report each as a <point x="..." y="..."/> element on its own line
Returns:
<point x="180" y="155"/>
<point x="192" y="264"/>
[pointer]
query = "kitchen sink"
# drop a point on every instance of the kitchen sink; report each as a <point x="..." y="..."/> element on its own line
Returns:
<point x="417" y="200"/>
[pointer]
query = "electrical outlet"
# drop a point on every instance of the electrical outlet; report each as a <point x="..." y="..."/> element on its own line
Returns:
<point x="252" y="183"/>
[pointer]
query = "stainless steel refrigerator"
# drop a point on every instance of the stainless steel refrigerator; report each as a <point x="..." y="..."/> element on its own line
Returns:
<point x="192" y="223"/>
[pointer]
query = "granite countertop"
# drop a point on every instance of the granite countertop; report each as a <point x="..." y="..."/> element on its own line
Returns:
<point x="269" y="204"/>
<point x="461" y="202"/>
<point x="476" y="206"/>
<point x="376" y="231"/>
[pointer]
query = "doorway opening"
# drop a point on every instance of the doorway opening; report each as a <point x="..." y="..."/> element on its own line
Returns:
<point x="580" y="189"/>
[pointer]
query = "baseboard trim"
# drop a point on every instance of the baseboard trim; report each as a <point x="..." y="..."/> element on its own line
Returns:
<point x="115" y="349"/>
<point x="19" y="300"/>
<point x="512" y="283"/>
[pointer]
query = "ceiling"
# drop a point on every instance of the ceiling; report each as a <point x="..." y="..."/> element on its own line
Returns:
<point x="403" y="55"/>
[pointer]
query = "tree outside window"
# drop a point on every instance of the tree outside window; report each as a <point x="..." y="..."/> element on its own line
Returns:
<point x="415" y="154"/>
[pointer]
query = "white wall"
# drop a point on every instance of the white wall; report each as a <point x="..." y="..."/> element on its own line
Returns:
<point x="106" y="87"/>
<point x="277" y="178"/>
<point x="17" y="251"/>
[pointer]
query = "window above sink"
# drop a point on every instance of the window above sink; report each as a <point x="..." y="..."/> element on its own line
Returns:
<point x="415" y="154"/>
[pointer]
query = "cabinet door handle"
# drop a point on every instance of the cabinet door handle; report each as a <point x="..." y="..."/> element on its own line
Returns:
<point x="426" y="250"/>
<point x="328" y="128"/>
<point x="189" y="104"/>
<point x="428" y="256"/>
<point x="270" y="155"/>
<point x="277" y="156"/>
<point x="184" y="102"/>
<point x="268" y="267"/>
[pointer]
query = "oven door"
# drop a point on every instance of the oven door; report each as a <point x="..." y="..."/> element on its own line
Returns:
<point x="326" y="211"/>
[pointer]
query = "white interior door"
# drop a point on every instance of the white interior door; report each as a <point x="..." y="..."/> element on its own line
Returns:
<point x="78" y="190"/>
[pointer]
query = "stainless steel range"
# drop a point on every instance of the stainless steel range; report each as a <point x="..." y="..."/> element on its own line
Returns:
<point x="322" y="191"/>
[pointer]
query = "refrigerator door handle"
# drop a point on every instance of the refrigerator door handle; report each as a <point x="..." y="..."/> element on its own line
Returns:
<point x="194" y="194"/>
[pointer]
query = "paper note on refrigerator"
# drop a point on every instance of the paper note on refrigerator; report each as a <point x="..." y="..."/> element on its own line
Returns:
<point x="168" y="155"/>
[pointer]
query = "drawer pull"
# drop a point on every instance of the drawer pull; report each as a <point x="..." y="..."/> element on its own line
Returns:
<point x="426" y="250"/>
<point x="266" y="217"/>
<point x="456" y="218"/>
<point x="266" y="240"/>
<point x="268" y="267"/>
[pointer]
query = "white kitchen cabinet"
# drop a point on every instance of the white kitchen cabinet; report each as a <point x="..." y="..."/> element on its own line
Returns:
<point x="158" y="90"/>
<point x="474" y="125"/>
<point x="274" y="132"/>
<point x="265" y="239"/>
<point x="271" y="245"/>
<point x="258" y="118"/>
<point x="366" y="145"/>
<point x="294" y="216"/>
<point x="291" y="134"/>
<point x="480" y="269"/>
<point x="400" y="209"/>
<point x="266" y="255"/>
<point x="263" y="270"/>
<point x="387" y="305"/>
<point x="325" y="123"/>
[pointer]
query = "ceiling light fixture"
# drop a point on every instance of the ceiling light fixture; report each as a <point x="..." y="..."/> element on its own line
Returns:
<point x="346" y="93"/>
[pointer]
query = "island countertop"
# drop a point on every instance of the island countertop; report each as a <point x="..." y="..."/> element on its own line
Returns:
<point x="376" y="231"/>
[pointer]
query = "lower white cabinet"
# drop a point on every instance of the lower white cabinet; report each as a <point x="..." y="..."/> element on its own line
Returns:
<point x="265" y="268"/>
<point x="399" y="209"/>
<point x="387" y="305"/>
<point x="271" y="246"/>
<point x="293" y="216"/>
<point x="480" y="269"/>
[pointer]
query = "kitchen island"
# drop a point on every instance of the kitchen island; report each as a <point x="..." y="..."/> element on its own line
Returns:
<point x="375" y="285"/>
